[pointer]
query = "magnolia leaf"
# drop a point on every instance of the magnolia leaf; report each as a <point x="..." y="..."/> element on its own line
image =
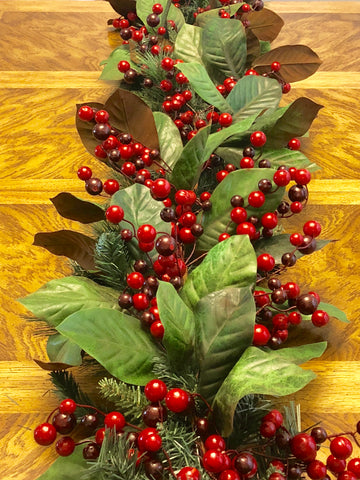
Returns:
<point x="129" y="114"/>
<point x="263" y="372"/>
<point x="188" y="46"/>
<point x="52" y="366"/>
<point x="73" y="208"/>
<point x="116" y="340"/>
<point x="110" y="71"/>
<point x="265" y="24"/>
<point x="277" y="245"/>
<point x="333" y="311"/>
<point x="178" y="321"/>
<point x="224" y="329"/>
<point x="241" y="182"/>
<point x="203" y="18"/>
<point x="123" y="6"/>
<point x="85" y="128"/>
<point x="187" y="169"/>
<point x="171" y="145"/>
<point x="62" y="350"/>
<point x="74" y="245"/>
<point x="285" y="156"/>
<point x="59" y="298"/>
<point x="295" y="122"/>
<point x="218" y="270"/>
<point x="224" y="48"/>
<point x="297" y="62"/>
<point x="202" y="84"/>
<point x="140" y="208"/>
<point x="252" y="95"/>
<point x="144" y="8"/>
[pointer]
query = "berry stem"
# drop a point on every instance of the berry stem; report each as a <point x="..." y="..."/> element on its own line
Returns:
<point x="204" y="400"/>
<point x="169" y="462"/>
<point x="92" y="408"/>
<point x="51" y="414"/>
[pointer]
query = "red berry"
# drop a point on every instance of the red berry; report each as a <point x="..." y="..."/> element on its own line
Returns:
<point x="269" y="220"/>
<point x="275" y="417"/>
<point x="128" y="169"/>
<point x="84" y="173"/>
<point x="294" y="144"/>
<point x="265" y="262"/>
<point x="177" y="400"/>
<point x="86" y="113"/>
<point x="102" y="116"/>
<point x="256" y="199"/>
<point x="295" y="318"/>
<point x="45" y="434"/>
<point x="126" y="151"/>
<point x="225" y="119"/>
<point x="341" y="448"/>
<point x="258" y="139"/>
<point x="261" y="298"/>
<point x="282" y="178"/>
<point x="223" y="236"/>
<point x="247" y="162"/>
<point x="137" y="35"/>
<point x="354" y="466"/>
<point x="140" y="301"/>
<point x="114" y="214"/>
<point x="346" y="475"/>
<point x="161" y="188"/>
<point x="65" y="446"/>
<point x="245" y="8"/>
<point x="213" y="117"/>
<point x="296" y="239"/>
<point x="319" y="318"/>
<point x="186" y="236"/>
<point x="251" y="72"/>
<point x="205" y="196"/>
<point x="215" y="442"/>
<point x="100" y="152"/>
<point x="155" y="50"/>
<point x="246" y="228"/>
<point x="286" y="88"/>
<point x="152" y="442"/>
<point x="292" y="289"/>
<point x="155" y="390"/>
<point x="316" y="470"/>
<point x="157" y="329"/>
<point x="157" y="8"/>
<point x="165" y="85"/>
<point x="296" y="207"/>
<point x="213" y="461"/>
<point x="111" y="186"/>
<point x="312" y="228"/>
<point x="221" y="175"/>
<point x="302" y="176"/>
<point x="67" y="406"/>
<point x="238" y="215"/>
<point x="167" y="63"/>
<point x="261" y="335"/>
<point x="267" y="429"/>
<point x="146" y="233"/>
<point x="188" y="473"/>
<point x="275" y="66"/>
<point x="99" y="436"/>
<point x="115" y="420"/>
<point x="335" y="465"/>
<point x="229" y="475"/>
<point x="135" y="280"/>
<point x="303" y="447"/>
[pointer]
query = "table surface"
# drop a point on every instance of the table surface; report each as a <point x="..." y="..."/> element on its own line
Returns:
<point x="50" y="54"/>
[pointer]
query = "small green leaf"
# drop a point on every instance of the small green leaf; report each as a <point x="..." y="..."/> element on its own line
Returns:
<point x="144" y="8"/>
<point x="333" y="311"/>
<point x="110" y="71"/>
<point x="203" y="18"/>
<point x="178" y="321"/>
<point x="252" y="95"/>
<point x="58" y="299"/>
<point x="224" y="329"/>
<point x="203" y="85"/>
<point x="219" y="270"/>
<point x="62" y="350"/>
<point x="171" y="145"/>
<point x="188" y="46"/>
<point x="292" y="158"/>
<point x="264" y="372"/>
<point x="224" y="48"/>
<point x="277" y="245"/>
<point x="240" y="182"/>
<point x="65" y="468"/>
<point x="187" y="169"/>
<point x="116" y="340"/>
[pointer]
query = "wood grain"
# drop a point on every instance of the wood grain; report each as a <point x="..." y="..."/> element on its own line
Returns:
<point x="50" y="61"/>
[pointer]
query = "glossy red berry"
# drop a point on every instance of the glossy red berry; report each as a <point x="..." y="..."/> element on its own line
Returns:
<point x="146" y="233"/>
<point x="157" y="8"/>
<point x="223" y="236"/>
<point x="177" y="400"/>
<point x="99" y="152"/>
<point x="225" y="119"/>
<point x="213" y="461"/>
<point x="258" y="139"/>
<point x="303" y="447"/>
<point x="221" y="175"/>
<point x="335" y="465"/>
<point x="188" y="473"/>
<point x="261" y="335"/>
<point x="267" y="429"/>
<point x="275" y="417"/>
<point x="256" y="199"/>
<point x="265" y="262"/>
<point x="99" y="436"/>
<point x="247" y="162"/>
<point x="302" y="176"/>
<point x="115" y="420"/>
<point x="312" y="228"/>
<point x="251" y="71"/>
<point x="320" y="318"/>
<point x="281" y="178"/>
<point x="294" y="144"/>
<point x="238" y="215"/>
<point x="111" y="186"/>
<point x="354" y="466"/>
<point x="135" y="280"/>
<point x="67" y="406"/>
<point x="86" y="113"/>
<point x="246" y="228"/>
<point x="161" y="188"/>
<point x="316" y="470"/>
<point x="167" y="63"/>
<point x="269" y="220"/>
<point x="45" y="434"/>
<point x="296" y="239"/>
<point x="275" y="66"/>
<point x="114" y="214"/>
<point x="65" y="446"/>
<point x="155" y="390"/>
<point x="84" y="173"/>
<point x="152" y="442"/>
<point x="292" y="289"/>
<point x="140" y="301"/>
<point x="157" y="329"/>
<point x="341" y="447"/>
<point x="286" y="88"/>
<point x="215" y="442"/>
<point x="229" y="475"/>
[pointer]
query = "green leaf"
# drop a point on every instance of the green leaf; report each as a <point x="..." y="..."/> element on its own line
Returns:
<point x="188" y="45"/>
<point x="65" y="468"/>
<point x="71" y="207"/>
<point x="60" y="298"/>
<point x="252" y="95"/>
<point x="218" y="270"/>
<point x="110" y="71"/>
<point x="265" y="372"/>
<point x="285" y="156"/>
<point x="224" y="48"/>
<point x="295" y="122"/>
<point x="240" y="182"/>
<point x="202" y="84"/>
<point x="116" y="340"/>
<point x="333" y="311"/>
<point x="62" y="350"/>
<point x="140" y="208"/>
<point x="224" y="329"/>
<point x="178" y="321"/>
<point x="187" y="169"/>
<point x="277" y="245"/>
<point x="218" y="138"/>
<point x="171" y="145"/>
<point x="203" y="18"/>
<point x="144" y="8"/>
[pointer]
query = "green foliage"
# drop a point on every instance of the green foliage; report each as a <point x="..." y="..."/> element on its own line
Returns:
<point x="266" y="372"/>
<point x="203" y="18"/>
<point x="115" y="340"/>
<point x="333" y="311"/>
<point x="110" y="70"/>
<point x="65" y="386"/>
<point x="171" y="145"/>
<point x="219" y="270"/>
<point x="143" y="9"/>
<point x="292" y="158"/>
<point x="129" y="399"/>
<point x="112" y="258"/>
<point x="225" y="322"/>
<point x="188" y="44"/>
<point x="185" y="379"/>
<point x="62" y="350"/>
<point x="65" y="468"/>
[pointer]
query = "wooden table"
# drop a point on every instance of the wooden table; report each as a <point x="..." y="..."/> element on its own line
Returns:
<point x="50" y="54"/>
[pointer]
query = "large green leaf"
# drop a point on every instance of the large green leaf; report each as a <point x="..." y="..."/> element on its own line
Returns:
<point x="188" y="45"/>
<point x="144" y="8"/>
<point x="116" y="340"/>
<point x="65" y="468"/>
<point x="219" y="269"/>
<point x="202" y="84"/>
<point x="62" y="350"/>
<point x="224" y="48"/>
<point x="285" y="156"/>
<point x="170" y="142"/>
<point x="280" y="244"/>
<point x="178" y="321"/>
<point x="187" y="169"/>
<point x="224" y="329"/>
<point x="60" y="298"/>
<point x="265" y="372"/>
<point x="140" y="208"/>
<point x="110" y="70"/>
<point x="240" y="182"/>
<point x="252" y="95"/>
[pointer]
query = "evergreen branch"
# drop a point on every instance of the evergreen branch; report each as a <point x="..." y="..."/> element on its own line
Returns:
<point x="65" y="386"/>
<point x="127" y="398"/>
<point x="163" y="371"/>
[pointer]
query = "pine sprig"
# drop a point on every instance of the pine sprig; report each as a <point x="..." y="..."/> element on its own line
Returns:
<point x="128" y="398"/>
<point x="163" y="371"/>
<point x="65" y="386"/>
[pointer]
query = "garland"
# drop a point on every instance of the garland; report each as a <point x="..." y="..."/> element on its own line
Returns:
<point x="177" y="290"/>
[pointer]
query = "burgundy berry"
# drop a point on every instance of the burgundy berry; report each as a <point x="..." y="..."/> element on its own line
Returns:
<point x="64" y="422"/>
<point x="94" y="186"/>
<point x="65" y="446"/>
<point x="91" y="451"/>
<point x="153" y="414"/>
